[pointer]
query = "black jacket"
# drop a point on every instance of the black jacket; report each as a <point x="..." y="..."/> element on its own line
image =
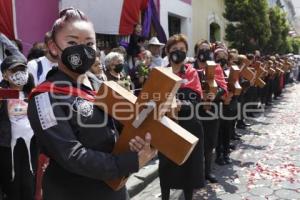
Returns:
<point x="5" y="125"/>
<point x="80" y="155"/>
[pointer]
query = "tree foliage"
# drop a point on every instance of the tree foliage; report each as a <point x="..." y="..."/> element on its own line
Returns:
<point x="249" y="25"/>
<point x="254" y="25"/>
<point x="279" y="32"/>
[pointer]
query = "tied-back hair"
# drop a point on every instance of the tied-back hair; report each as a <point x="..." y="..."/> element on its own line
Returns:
<point x="176" y="39"/>
<point x="67" y="15"/>
<point x="198" y="45"/>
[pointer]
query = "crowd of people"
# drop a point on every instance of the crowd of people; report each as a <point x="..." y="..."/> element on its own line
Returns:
<point x="79" y="157"/>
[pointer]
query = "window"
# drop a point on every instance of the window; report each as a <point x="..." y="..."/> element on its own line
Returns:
<point x="215" y="32"/>
<point x="174" y="25"/>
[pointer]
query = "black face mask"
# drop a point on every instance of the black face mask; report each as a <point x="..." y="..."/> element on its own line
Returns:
<point x="177" y="56"/>
<point x="222" y="62"/>
<point x="78" y="58"/>
<point x="118" y="68"/>
<point x="204" y="55"/>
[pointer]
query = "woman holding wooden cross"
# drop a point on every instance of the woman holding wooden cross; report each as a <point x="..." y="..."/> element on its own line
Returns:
<point x="77" y="136"/>
<point x="190" y="175"/>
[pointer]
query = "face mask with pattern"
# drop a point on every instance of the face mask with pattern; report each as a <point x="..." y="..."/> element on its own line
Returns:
<point x="19" y="78"/>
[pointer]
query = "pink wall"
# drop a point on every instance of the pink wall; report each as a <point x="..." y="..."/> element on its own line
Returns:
<point x="34" y="19"/>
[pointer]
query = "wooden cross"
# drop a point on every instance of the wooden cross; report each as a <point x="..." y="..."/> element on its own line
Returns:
<point x="287" y="65"/>
<point x="232" y="77"/>
<point x="278" y="68"/>
<point x="233" y="80"/>
<point x="146" y="113"/>
<point x="246" y="72"/>
<point x="270" y="68"/>
<point x="259" y="72"/>
<point x="210" y="85"/>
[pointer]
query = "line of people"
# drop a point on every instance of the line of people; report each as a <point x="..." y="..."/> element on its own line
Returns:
<point x="79" y="159"/>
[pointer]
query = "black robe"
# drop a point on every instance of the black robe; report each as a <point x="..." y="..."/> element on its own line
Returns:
<point x="80" y="155"/>
<point x="190" y="175"/>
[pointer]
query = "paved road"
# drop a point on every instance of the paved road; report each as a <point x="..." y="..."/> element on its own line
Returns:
<point x="266" y="163"/>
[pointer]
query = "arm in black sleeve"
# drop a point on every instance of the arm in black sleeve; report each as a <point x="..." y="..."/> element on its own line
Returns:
<point x="220" y="93"/>
<point x="190" y="99"/>
<point x="244" y="83"/>
<point x="60" y="144"/>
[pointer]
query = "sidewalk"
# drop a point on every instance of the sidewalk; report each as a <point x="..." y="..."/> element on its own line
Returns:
<point x="138" y="181"/>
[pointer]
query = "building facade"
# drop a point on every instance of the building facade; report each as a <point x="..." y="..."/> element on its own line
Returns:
<point x="27" y="20"/>
<point x="176" y="17"/>
<point x="208" y="21"/>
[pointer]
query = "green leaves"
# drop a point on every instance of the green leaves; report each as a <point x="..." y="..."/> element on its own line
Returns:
<point x="143" y="70"/>
<point x="253" y="25"/>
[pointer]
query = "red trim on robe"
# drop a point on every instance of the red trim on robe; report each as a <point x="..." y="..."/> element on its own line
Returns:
<point x="220" y="78"/>
<point x="191" y="80"/>
<point x="50" y="87"/>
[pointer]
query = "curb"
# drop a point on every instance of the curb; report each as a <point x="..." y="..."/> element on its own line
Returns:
<point x="139" y="181"/>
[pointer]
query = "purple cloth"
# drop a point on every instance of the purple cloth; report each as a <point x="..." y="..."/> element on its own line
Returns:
<point x="151" y="16"/>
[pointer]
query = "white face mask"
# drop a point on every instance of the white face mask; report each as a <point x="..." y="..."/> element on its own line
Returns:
<point x="19" y="78"/>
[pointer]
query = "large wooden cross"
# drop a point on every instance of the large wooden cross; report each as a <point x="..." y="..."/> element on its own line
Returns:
<point x="246" y="72"/>
<point x="233" y="80"/>
<point x="270" y="68"/>
<point x="146" y="113"/>
<point x="259" y="73"/>
<point x="278" y="68"/>
<point x="210" y="85"/>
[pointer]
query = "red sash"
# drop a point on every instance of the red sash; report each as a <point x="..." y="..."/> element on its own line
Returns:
<point x="67" y="90"/>
<point x="43" y="160"/>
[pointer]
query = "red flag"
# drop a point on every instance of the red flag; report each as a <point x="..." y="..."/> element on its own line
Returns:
<point x="130" y="15"/>
<point x="7" y="19"/>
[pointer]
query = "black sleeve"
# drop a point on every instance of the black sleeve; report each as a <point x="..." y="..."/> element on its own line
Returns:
<point x="60" y="144"/>
<point x="244" y="83"/>
<point x="189" y="98"/>
<point x="220" y="93"/>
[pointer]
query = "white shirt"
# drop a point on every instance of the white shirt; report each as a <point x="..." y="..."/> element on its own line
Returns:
<point x="20" y="125"/>
<point x="33" y="68"/>
<point x="157" y="61"/>
<point x="165" y="62"/>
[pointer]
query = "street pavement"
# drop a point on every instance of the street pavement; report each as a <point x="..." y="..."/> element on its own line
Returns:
<point x="266" y="163"/>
